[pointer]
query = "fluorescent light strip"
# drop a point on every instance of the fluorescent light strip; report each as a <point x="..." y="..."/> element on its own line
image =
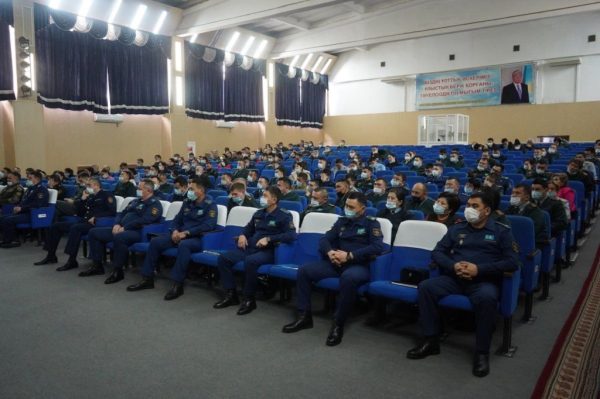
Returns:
<point x="13" y="53"/>
<point x="261" y="48"/>
<point x="306" y="61"/>
<point x="247" y="46"/>
<point x="85" y="7"/>
<point x="326" y="67"/>
<point x="271" y="74"/>
<point x="32" y="68"/>
<point x="294" y="61"/>
<point x="139" y="14"/>
<point x="114" y="11"/>
<point x="160" y="22"/>
<point x="194" y="37"/>
<point x="54" y="4"/>
<point x="178" y="91"/>
<point x="319" y="60"/>
<point x="232" y="41"/>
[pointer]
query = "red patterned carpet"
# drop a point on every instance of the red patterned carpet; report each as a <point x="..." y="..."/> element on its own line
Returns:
<point x="573" y="367"/>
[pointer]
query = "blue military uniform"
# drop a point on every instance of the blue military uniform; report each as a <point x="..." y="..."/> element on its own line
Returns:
<point x="194" y="218"/>
<point x="360" y="236"/>
<point x="36" y="196"/>
<point x="101" y="204"/>
<point x="278" y="226"/>
<point x="137" y="214"/>
<point x="493" y="250"/>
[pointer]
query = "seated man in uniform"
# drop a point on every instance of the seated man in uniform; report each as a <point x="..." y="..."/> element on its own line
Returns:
<point x="379" y="192"/>
<point x="472" y="258"/>
<point x="256" y="246"/>
<point x="558" y="218"/>
<point x="36" y="196"/>
<point x="126" y="186"/>
<point x="319" y="202"/>
<point x="238" y="197"/>
<point x="521" y="205"/>
<point x="197" y="216"/>
<point x="126" y="231"/>
<point x="13" y="192"/>
<point x="287" y="194"/>
<point x="93" y="204"/>
<point x="348" y="248"/>
<point x="180" y="189"/>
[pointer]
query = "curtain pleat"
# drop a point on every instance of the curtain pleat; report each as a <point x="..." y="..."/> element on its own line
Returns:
<point x="203" y="84"/>
<point x="243" y="99"/>
<point x="6" y="66"/>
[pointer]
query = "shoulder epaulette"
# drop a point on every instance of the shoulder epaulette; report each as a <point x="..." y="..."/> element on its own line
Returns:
<point x="502" y="224"/>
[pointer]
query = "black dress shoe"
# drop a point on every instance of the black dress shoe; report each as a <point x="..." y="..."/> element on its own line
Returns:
<point x="429" y="346"/>
<point x="247" y="306"/>
<point x="48" y="260"/>
<point x="116" y="276"/>
<point x="175" y="292"/>
<point x="335" y="335"/>
<point x="68" y="266"/>
<point x="230" y="299"/>
<point x="146" y="283"/>
<point x="303" y="321"/>
<point x="481" y="365"/>
<point x="8" y="245"/>
<point x="94" y="270"/>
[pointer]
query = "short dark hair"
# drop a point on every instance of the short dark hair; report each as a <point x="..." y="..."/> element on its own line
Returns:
<point x="37" y="174"/>
<point x="181" y="180"/>
<point x="237" y="187"/>
<point x="360" y="197"/>
<point x="486" y="198"/>
<point x="15" y="173"/>
<point x="540" y="181"/>
<point x="525" y="187"/>
<point x="198" y="182"/>
<point x="149" y="183"/>
<point x="274" y="191"/>
<point x="399" y="193"/>
<point x="285" y="181"/>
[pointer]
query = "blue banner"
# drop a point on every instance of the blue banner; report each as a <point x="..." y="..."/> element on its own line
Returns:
<point x="469" y="88"/>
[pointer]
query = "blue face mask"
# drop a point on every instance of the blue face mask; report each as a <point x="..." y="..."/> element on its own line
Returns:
<point x="29" y="183"/>
<point x="237" y="200"/>
<point x="349" y="213"/>
<point x="177" y="191"/>
<point x="390" y="205"/>
<point x="263" y="202"/>
<point x="192" y="195"/>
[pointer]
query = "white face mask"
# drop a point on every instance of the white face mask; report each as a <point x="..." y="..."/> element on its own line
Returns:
<point x="515" y="201"/>
<point x="472" y="215"/>
<point x="377" y="190"/>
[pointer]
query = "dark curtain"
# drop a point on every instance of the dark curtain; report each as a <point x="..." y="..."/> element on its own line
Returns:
<point x="243" y="99"/>
<point x="203" y="82"/>
<point x="313" y="101"/>
<point x="287" y="97"/>
<point x="137" y="77"/>
<point x="75" y="69"/>
<point x="6" y="67"/>
<point x="70" y="66"/>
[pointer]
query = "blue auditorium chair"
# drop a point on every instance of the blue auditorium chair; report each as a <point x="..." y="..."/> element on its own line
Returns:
<point x="224" y="240"/>
<point x="530" y="257"/>
<point x="41" y="218"/>
<point x="548" y="258"/>
<point x="291" y="206"/>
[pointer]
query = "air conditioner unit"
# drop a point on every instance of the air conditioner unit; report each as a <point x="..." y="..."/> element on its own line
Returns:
<point x="562" y="62"/>
<point x="108" y="118"/>
<point x="225" y="124"/>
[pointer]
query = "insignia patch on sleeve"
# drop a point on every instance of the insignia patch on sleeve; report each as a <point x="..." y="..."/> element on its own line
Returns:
<point x="40" y="195"/>
<point x="110" y="200"/>
<point x="292" y="225"/>
<point x="154" y="211"/>
<point x="515" y="247"/>
<point x="377" y="232"/>
<point x="212" y="213"/>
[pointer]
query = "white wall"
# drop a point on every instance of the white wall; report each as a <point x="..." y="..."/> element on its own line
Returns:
<point x="356" y="87"/>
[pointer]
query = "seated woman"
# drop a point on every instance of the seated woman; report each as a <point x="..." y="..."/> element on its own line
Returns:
<point x="565" y="192"/>
<point x="394" y="209"/>
<point x="445" y="209"/>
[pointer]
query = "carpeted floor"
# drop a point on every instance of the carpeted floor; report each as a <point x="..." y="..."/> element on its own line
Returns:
<point x="62" y="336"/>
<point x="573" y="367"/>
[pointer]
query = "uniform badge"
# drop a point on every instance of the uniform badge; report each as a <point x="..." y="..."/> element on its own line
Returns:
<point x="154" y="211"/>
<point x="361" y="231"/>
<point x="489" y="237"/>
<point x="40" y="195"/>
<point x="377" y="232"/>
<point x="272" y="223"/>
<point x="212" y="213"/>
<point x="515" y="247"/>
<point x="200" y="212"/>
